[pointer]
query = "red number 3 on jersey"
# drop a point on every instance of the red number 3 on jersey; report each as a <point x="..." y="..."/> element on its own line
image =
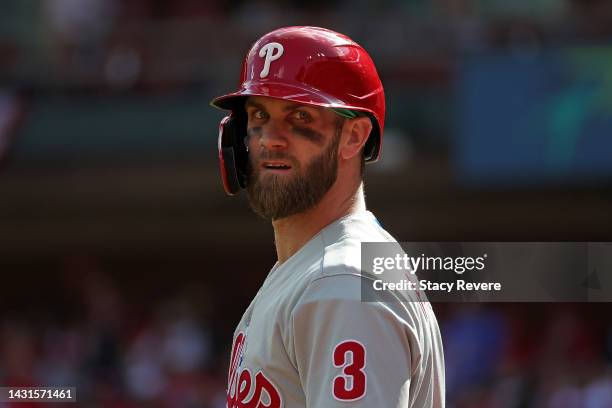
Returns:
<point x="350" y="355"/>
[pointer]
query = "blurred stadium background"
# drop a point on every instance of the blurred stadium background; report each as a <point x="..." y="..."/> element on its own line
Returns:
<point x="125" y="268"/>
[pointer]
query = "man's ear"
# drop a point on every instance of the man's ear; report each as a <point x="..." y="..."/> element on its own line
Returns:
<point x="357" y="131"/>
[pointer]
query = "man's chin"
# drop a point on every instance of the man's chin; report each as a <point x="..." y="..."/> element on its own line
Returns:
<point x="273" y="177"/>
<point x="274" y="184"/>
<point x="276" y="172"/>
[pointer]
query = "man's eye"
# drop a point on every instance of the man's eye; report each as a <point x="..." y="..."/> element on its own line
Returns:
<point x="259" y="114"/>
<point x="302" y="116"/>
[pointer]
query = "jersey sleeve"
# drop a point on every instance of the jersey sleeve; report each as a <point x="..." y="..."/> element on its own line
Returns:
<point x="353" y="353"/>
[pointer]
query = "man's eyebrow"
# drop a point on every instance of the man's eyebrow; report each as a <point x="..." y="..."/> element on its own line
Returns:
<point x="254" y="105"/>
<point x="294" y="106"/>
<point x="287" y="108"/>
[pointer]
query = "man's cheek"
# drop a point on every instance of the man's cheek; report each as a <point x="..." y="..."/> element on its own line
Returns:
<point x="310" y="135"/>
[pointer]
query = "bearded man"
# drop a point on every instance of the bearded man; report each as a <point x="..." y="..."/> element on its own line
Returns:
<point x="307" y="117"/>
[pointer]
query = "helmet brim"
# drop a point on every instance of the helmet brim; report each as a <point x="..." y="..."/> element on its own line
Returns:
<point x="278" y="90"/>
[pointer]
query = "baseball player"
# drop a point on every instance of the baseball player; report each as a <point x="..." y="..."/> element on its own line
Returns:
<point x="307" y="116"/>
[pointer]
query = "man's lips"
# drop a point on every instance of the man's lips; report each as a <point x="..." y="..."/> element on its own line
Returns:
<point x="275" y="166"/>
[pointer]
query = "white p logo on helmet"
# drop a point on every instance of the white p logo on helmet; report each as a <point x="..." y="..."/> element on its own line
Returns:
<point x="272" y="51"/>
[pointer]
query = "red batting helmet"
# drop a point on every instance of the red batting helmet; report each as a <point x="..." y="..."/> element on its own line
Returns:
<point x="309" y="65"/>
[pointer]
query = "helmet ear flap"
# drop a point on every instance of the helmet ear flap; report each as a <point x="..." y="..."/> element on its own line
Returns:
<point x="233" y="154"/>
<point x="371" y="149"/>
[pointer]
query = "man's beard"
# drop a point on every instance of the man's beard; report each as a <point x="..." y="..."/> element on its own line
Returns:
<point x="276" y="196"/>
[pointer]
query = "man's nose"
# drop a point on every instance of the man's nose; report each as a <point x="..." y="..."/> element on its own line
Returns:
<point x="274" y="135"/>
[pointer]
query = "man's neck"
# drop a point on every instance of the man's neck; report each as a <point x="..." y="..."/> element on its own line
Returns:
<point x="292" y="233"/>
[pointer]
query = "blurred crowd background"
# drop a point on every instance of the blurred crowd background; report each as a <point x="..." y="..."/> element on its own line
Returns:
<point x="125" y="268"/>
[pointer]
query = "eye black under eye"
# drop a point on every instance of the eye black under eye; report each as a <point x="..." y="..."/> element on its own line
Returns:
<point x="309" y="134"/>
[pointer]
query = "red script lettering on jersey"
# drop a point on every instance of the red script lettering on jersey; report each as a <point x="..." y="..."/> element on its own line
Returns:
<point x="239" y="382"/>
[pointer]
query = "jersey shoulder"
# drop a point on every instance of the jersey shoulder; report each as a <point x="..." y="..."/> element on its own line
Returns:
<point x="339" y="266"/>
<point x="339" y="275"/>
<point x="342" y="245"/>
